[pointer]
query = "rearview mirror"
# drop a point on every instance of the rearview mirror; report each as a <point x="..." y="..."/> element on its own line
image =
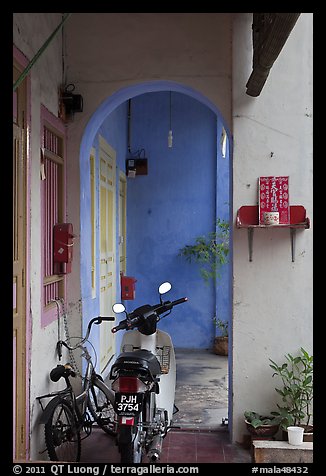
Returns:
<point x="118" y="308"/>
<point x="164" y="287"/>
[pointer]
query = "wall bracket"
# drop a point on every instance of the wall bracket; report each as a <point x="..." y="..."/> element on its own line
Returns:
<point x="248" y="217"/>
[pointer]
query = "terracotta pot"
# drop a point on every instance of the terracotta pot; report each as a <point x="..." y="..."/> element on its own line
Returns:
<point x="308" y="434"/>
<point x="221" y="345"/>
<point x="263" y="430"/>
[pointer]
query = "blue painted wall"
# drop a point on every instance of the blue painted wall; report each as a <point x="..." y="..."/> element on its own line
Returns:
<point x="185" y="189"/>
<point x="170" y="207"/>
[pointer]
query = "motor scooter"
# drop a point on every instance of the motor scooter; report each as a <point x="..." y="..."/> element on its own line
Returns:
<point x="144" y="378"/>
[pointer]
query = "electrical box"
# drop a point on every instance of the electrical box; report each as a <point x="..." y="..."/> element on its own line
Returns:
<point x="136" y="167"/>
<point x="63" y="246"/>
<point x="128" y="288"/>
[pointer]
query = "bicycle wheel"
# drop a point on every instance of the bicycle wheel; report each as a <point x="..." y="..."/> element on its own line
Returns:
<point x="62" y="437"/>
<point x="101" y="408"/>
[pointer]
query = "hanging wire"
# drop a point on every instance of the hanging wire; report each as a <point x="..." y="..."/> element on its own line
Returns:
<point x="170" y="135"/>
<point x="170" y="110"/>
<point x="40" y="51"/>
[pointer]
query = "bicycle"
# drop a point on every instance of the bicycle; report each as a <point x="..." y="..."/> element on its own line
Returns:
<point x="66" y="415"/>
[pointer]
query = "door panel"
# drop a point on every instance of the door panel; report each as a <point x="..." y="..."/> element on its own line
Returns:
<point x="122" y="222"/>
<point x="19" y="271"/>
<point x="107" y="249"/>
<point x="93" y="219"/>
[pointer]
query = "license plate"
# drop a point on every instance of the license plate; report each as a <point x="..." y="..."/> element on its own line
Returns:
<point x="128" y="404"/>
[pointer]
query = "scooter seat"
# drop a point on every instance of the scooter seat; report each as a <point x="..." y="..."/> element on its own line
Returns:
<point x="138" y="359"/>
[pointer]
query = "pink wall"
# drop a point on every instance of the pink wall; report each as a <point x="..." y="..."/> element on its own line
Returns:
<point x="50" y="315"/>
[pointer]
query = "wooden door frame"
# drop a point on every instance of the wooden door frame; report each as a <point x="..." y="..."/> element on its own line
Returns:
<point x="21" y="432"/>
<point x="110" y="152"/>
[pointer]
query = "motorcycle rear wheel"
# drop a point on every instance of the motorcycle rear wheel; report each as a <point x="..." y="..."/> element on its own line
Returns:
<point x="130" y="449"/>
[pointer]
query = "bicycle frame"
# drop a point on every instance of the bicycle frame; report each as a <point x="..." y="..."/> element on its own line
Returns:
<point x="79" y="402"/>
<point x="68" y="414"/>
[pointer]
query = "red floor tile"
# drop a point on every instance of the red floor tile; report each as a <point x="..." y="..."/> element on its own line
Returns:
<point x="211" y="459"/>
<point x="178" y="447"/>
<point x="181" y="438"/>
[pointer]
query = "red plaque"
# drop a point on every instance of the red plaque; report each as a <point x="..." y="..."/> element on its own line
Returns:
<point x="274" y="197"/>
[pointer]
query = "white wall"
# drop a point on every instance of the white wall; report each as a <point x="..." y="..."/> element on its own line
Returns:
<point x="272" y="307"/>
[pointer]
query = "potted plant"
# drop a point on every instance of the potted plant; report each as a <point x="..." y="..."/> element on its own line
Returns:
<point x="209" y="251"/>
<point x="296" y="374"/>
<point x="221" y="342"/>
<point x="260" y="425"/>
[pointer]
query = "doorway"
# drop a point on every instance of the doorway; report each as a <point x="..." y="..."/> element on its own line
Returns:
<point x="221" y="204"/>
<point x="202" y="390"/>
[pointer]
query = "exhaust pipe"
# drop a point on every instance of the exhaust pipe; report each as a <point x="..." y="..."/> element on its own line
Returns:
<point x="155" y="450"/>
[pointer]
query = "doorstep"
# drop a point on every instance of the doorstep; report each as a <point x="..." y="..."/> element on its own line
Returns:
<point x="267" y="451"/>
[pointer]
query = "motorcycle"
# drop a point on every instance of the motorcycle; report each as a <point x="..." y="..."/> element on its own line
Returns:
<point x="144" y="378"/>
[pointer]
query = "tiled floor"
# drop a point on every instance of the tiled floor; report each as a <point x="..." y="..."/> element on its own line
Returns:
<point x="179" y="446"/>
<point x="201" y="390"/>
<point x="202" y="399"/>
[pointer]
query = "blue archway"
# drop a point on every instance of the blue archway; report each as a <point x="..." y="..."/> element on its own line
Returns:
<point x="96" y="120"/>
<point x="103" y="111"/>
<point x="122" y="95"/>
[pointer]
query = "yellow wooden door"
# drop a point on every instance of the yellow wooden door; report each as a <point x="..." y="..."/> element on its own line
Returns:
<point x="92" y="165"/>
<point x="122" y="221"/>
<point x="19" y="269"/>
<point x="107" y="158"/>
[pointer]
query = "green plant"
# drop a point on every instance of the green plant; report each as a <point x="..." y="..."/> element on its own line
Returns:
<point x="222" y="325"/>
<point x="256" y="420"/>
<point x="209" y="251"/>
<point x="296" y="375"/>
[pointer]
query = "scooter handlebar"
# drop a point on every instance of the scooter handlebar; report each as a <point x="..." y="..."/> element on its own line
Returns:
<point x="122" y="325"/>
<point x="168" y="305"/>
<point x="126" y="324"/>
<point x="158" y="309"/>
<point x="179" y="301"/>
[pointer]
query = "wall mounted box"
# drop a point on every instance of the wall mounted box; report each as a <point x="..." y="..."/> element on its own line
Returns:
<point x="128" y="289"/>
<point x="136" y="167"/>
<point x="72" y="102"/>
<point x="63" y="246"/>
